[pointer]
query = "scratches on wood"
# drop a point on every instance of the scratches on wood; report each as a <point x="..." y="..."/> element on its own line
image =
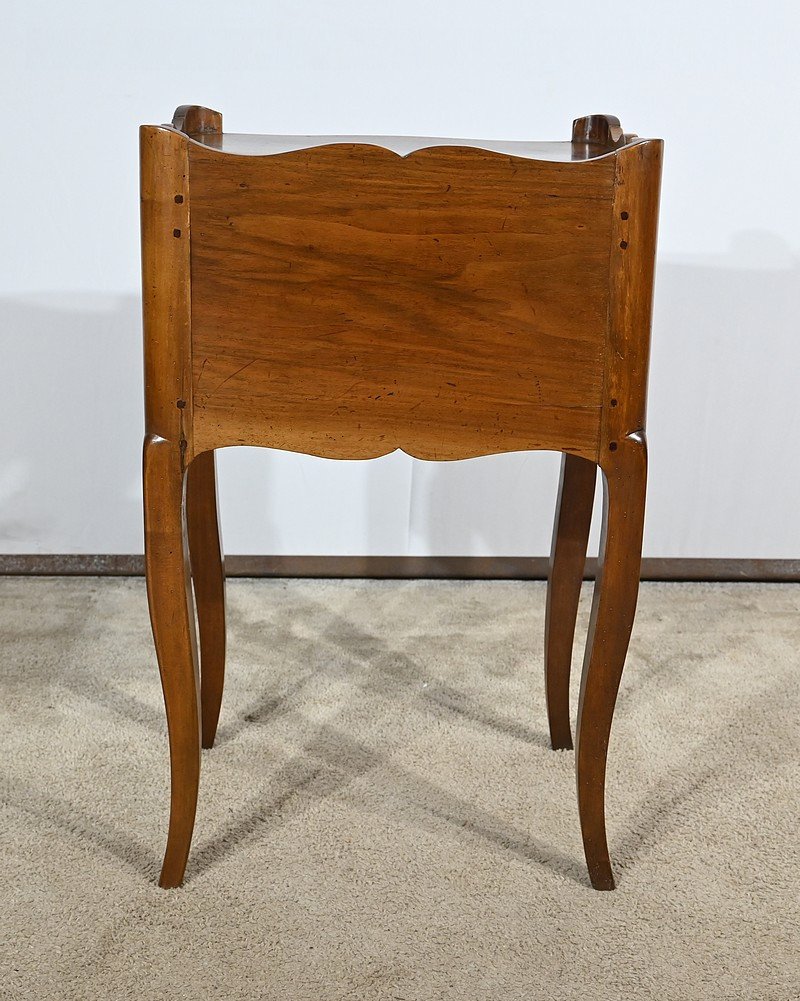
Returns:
<point x="348" y="272"/>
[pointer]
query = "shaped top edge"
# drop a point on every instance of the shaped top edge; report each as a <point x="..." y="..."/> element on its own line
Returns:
<point x="594" y="137"/>
<point x="240" y="144"/>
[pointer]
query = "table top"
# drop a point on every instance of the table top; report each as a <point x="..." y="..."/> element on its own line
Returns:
<point x="266" y="145"/>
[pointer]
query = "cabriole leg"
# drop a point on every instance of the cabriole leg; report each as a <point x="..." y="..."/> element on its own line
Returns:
<point x="613" y="608"/>
<point x="172" y="618"/>
<point x="567" y="562"/>
<point x="208" y="576"/>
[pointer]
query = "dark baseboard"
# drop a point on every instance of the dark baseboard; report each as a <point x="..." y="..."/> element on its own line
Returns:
<point x="406" y="567"/>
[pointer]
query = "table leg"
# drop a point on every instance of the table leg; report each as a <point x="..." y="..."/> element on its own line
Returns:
<point x="208" y="576"/>
<point x="567" y="562"/>
<point x="613" y="608"/>
<point x="172" y="617"/>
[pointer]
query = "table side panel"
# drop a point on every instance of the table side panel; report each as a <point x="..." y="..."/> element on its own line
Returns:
<point x="347" y="302"/>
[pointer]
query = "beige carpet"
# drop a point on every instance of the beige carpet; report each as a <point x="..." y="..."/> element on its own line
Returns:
<point x="382" y="818"/>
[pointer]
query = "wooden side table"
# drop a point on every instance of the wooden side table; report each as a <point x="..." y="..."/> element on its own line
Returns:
<point x="335" y="298"/>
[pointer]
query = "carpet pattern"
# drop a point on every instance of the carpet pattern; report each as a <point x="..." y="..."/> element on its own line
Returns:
<point x="382" y="818"/>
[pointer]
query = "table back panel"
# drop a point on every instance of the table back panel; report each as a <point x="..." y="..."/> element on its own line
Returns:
<point x="346" y="301"/>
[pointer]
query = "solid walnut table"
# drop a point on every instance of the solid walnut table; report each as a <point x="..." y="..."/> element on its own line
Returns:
<point x="331" y="296"/>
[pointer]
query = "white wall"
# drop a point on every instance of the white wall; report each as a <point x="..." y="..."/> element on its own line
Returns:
<point x="718" y="81"/>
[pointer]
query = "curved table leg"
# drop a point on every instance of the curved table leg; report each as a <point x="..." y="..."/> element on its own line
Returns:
<point x="613" y="608"/>
<point x="208" y="576"/>
<point x="172" y="618"/>
<point x="567" y="562"/>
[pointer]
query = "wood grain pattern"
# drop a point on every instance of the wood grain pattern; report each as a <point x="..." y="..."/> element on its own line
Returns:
<point x="166" y="289"/>
<point x="166" y="299"/>
<point x="169" y="595"/>
<point x="637" y="186"/>
<point x="208" y="578"/>
<point x="205" y="540"/>
<point x="345" y="301"/>
<point x="599" y="130"/>
<point x="197" y="121"/>
<point x="613" y="607"/>
<point x="623" y="460"/>
<point x="348" y="302"/>
<point x="567" y="563"/>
